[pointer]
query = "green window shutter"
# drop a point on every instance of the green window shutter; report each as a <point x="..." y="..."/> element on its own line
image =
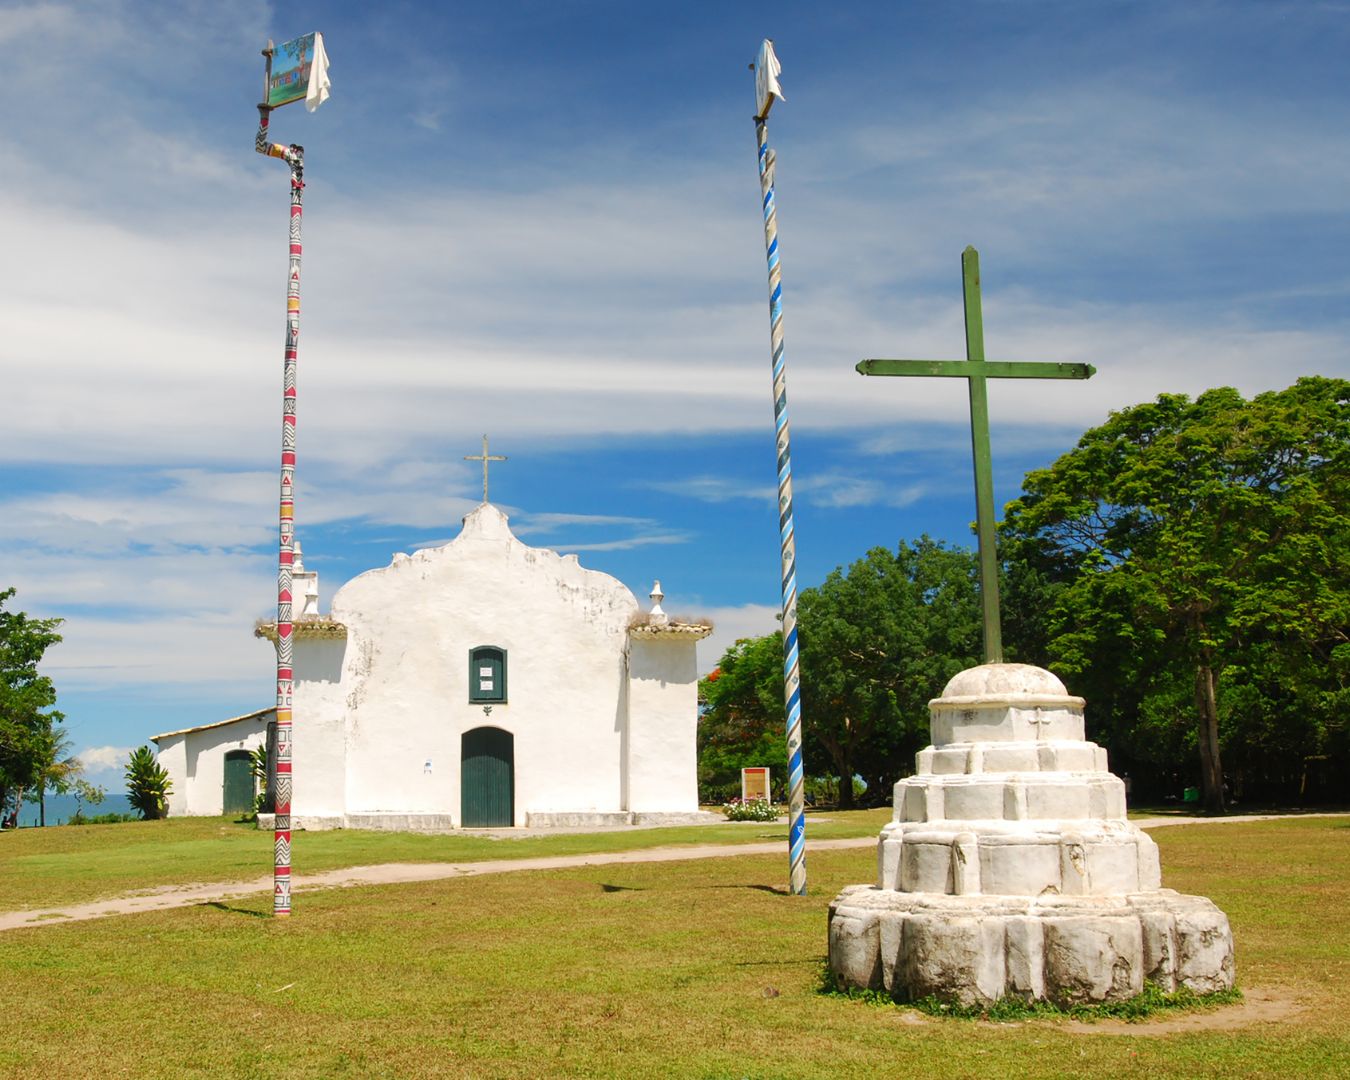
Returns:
<point x="487" y="674"/>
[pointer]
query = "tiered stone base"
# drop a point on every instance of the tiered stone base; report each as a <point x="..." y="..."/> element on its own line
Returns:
<point x="1067" y="949"/>
<point x="1024" y="858"/>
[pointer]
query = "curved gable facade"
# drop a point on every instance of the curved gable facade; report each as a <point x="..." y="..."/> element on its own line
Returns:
<point x="487" y="674"/>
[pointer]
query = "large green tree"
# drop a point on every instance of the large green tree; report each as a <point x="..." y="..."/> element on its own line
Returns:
<point x="878" y="640"/>
<point x="1194" y="540"/>
<point x="29" y="735"/>
<point x="742" y="723"/>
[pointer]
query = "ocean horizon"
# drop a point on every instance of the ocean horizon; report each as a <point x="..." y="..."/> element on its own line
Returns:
<point x="61" y="808"/>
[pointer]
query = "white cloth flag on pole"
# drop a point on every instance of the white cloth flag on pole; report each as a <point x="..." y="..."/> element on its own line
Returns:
<point x="319" y="83"/>
<point x="767" y="70"/>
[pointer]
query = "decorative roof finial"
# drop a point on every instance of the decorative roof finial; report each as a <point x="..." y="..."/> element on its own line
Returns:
<point x="656" y="614"/>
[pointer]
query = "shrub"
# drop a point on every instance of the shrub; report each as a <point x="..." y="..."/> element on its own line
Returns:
<point x="750" y="810"/>
<point x="81" y="818"/>
<point x="148" y="786"/>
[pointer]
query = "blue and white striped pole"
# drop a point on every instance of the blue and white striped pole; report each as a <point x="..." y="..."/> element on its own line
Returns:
<point x="766" y="70"/>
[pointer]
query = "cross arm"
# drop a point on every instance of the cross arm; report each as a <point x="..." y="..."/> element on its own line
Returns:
<point x="990" y="369"/>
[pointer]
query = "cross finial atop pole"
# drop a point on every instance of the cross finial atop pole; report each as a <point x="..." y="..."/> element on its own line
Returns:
<point x="484" y="457"/>
<point x="975" y="369"/>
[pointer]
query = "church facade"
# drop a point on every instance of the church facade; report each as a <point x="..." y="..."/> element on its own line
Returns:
<point x="484" y="683"/>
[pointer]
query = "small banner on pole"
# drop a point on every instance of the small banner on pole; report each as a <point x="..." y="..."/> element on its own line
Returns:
<point x="767" y="70"/>
<point x="298" y="71"/>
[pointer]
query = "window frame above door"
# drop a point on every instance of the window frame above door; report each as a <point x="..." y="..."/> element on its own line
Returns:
<point x="477" y="655"/>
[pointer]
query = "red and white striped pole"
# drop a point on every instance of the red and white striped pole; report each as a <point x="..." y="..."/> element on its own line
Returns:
<point x="305" y="78"/>
<point x="294" y="156"/>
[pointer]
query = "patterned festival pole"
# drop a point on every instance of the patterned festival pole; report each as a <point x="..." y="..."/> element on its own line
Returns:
<point x="766" y="70"/>
<point x="294" y="156"/>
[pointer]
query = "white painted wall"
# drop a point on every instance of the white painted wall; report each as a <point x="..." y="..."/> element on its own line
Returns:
<point x="410" y="627"/>
<point x="318" y="728"/>
<point x="173" y="760"/>
<point x="663" y="705"/>
<point x="195" y="762"/>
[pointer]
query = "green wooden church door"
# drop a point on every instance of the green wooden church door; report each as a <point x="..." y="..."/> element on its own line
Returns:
<point x="238" y="797"/>
<point x="487" y="778"/>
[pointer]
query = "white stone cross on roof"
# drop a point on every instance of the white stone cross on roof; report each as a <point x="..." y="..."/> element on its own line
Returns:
<point x="484" y="457"/>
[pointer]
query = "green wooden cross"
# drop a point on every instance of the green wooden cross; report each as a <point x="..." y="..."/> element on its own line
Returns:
<point x="975" y="369"/>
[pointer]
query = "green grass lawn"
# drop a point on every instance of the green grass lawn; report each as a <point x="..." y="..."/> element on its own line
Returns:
<point x="698" y="969"/>
<point x="68" y="864"/>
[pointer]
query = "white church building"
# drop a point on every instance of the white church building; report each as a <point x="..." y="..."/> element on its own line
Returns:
<point x="484" y="684"/>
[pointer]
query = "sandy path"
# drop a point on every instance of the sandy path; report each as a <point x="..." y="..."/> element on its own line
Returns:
<point x="174" y="896"/>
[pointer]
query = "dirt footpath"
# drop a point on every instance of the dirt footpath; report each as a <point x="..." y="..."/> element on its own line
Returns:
<point x="173" y="896"/>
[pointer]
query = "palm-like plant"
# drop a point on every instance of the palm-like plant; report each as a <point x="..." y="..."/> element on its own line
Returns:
<point x="262" y="803"/>
<point x="148" y="785"/>
<point x="58" y="769"/>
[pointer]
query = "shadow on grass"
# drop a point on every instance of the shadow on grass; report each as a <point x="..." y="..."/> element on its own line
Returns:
<point x="622" y="888"/>
<point x="772" y="889"/>
<point x="235" y="910"/>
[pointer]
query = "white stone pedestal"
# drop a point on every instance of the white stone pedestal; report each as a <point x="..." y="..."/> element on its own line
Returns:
<point x="1010" y="870"/>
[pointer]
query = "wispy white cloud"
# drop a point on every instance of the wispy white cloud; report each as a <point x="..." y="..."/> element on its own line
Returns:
<point x="548" y="522"/>
<point x="627" y="543"/>
<point x="215" y="649"/>
<point x="713" y="489"/>
<point x="840" y="489"/>
<point x="730" y="624"/>
<point x="589" y="358"/>
<point x="102" y="762"/>
<point x="831" y="488"/>
<point x="28" y="21"/>
<point x="188" y="510"/>
<point x="142" y="584"/>
<point x="1010" y="173"/>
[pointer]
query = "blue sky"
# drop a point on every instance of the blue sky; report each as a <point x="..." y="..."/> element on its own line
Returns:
<point x="542" y="221"/>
